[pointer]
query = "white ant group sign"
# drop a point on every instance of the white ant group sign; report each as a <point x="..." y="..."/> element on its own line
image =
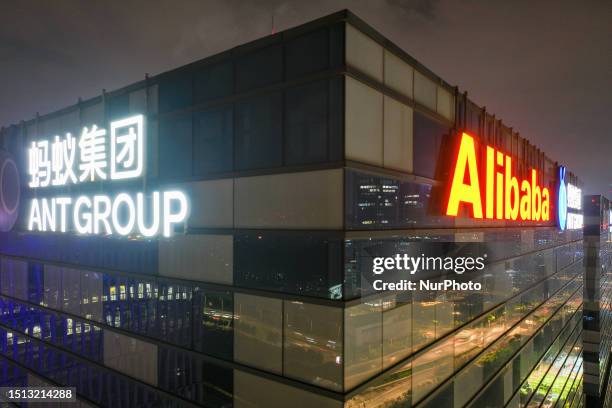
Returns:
<point x="99" y="154"/>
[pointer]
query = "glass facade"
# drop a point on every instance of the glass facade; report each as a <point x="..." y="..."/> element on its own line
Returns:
<point x="305" y="155"/>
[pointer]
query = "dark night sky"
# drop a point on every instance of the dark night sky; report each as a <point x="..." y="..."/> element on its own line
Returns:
<point x="544" y="67"/>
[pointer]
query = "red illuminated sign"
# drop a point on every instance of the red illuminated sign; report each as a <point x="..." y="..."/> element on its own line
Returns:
<point x="505" y="197"/>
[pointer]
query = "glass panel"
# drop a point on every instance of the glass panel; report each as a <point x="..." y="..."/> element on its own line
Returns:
<point x="300" y="263"/>
<point x="306" y="127"/>
<point x="363" y="340"/>
<point x="313" y="344"/>
<point x="213" y="81"/>
<point x="175" y="146"/>
<point x="259" y="132"/>
<point x="213" y="326"/>
<point x="175" y="91"/>
<point x="258" y="332"/>
<point x="429" y="140"/>
<point x="307" y="53"/>
<point x="431" y="368"/>
<point x="397" y="328"/>
<point x="259" y="68"/>
<point x="212" y="141"/>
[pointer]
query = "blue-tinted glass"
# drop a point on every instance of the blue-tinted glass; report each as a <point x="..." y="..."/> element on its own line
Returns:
<point x="428" y="142"/>
<point x="259" y="132"/>
<point x="175" y="146"/>
<point x="35" y="282"/>
<point x="212" y="141"/>
<point x="259" y="68"/>
<point x="175" y="91"/>
<point x="174" y="313"/>
<point x="213" y="82"/>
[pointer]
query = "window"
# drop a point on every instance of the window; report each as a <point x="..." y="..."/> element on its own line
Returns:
<point x="212" y="141"/>
<point x="258" y="332"/>
<point x="213" y="328"/>
<point x="175" y="91"/>
<point x="381" y="202"/>
<point x="35" y="282"/>
<point x="306" y="127"/>
<point x="14" y="278"/>
<point x="118" y="107"/>
<point x="131" y="356"/>
<point x="309" y="264"/>
<point x="313" y="344"/>
<point x="307" y="53"/>
<point x="397" y="329"/>
<point x="429" y="137"/>
<point x="213" y="82"/>
<point x="175" y="147"/>
<point x="259" y="132"/>
<point x="259" y="68"/>
<point x="431" y="368"/>
<point x="53" y="284"/>
<point x="363" y="342"/>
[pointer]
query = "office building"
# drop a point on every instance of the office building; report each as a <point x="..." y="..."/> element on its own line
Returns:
<point x="303" y="155"/>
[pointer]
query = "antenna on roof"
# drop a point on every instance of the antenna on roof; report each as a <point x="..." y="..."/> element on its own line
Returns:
<point x="273" y="28"/>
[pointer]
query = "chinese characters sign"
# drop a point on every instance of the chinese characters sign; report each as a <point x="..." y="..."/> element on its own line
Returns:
<point x="58" y="164"/>
<point x="98" y="155"/>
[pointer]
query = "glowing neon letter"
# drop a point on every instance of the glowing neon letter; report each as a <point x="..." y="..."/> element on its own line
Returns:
<point x="461" y="192"/>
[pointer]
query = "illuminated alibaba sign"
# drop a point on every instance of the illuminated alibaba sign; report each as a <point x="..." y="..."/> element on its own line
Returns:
<point x="66" y="161"/>
<point x="505" y="197"/>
